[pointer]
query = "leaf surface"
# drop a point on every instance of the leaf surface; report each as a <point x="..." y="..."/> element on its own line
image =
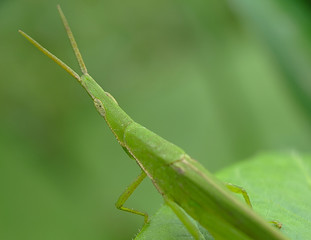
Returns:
<point x="279" y="186"/>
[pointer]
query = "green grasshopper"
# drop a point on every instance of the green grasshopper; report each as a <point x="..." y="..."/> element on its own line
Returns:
<point x="185" y="185"/>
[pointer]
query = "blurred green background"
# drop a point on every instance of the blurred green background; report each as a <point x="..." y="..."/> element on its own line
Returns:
<point x="222" y="79"/>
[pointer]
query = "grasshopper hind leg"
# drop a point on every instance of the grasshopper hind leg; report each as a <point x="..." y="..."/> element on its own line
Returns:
<point x="240" y="190"/>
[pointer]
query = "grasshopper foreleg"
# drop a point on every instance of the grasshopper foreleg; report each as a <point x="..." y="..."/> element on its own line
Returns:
<point x="128" y="192"/>
<point x="185" y="219"/>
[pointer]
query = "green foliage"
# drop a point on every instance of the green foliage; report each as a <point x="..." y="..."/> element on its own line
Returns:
<point x="190" y="71"/>
<point x="279" y="186"/>
<point x="165" y="225"/>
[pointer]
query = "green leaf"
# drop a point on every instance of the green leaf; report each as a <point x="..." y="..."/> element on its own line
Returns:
<point x="279" y="186"/>
<point x="165" y="225"/>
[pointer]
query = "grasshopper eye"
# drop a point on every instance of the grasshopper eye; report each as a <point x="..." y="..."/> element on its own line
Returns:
<point x="99" y="107"/>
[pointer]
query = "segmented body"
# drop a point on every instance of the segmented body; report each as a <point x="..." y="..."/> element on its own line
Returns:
<point x="180" y="178"/>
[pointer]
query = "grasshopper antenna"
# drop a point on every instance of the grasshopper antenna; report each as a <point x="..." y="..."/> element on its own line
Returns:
<point x="50" y="55"/>
<point x="72" y="41"/>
